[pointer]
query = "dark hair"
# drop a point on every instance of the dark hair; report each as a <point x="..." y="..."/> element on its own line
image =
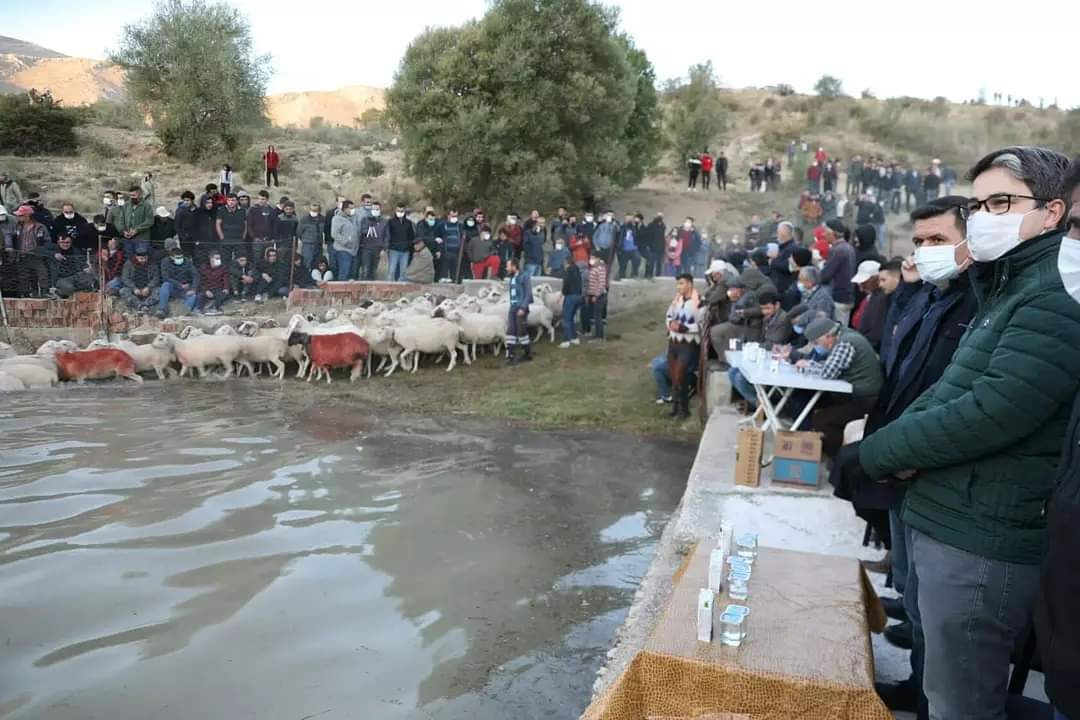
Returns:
<point x="210" y="187"/>
<point x="1071" y="181"/>
<point x="802" y="256"/>
<point x="1041" y="169"/>
<point x="685" y="276"/>
<point x="98" y="219"/>
<point x="231" y="196"/>
<point x="865" y="235"/>
<point x="760" y="257"/>
<point x="838" y="227"/>
<point x="365" y="196"/>
<point x="512" y="260"/>
<point x="940" y="206"/>
<point x="109" y="192"/>
<point x="263" y="193"/>
<point x="894" y="266"/>
<point x="187" y="195"/>
<point x="347" y="203"/>
<point x="767" y="297"/>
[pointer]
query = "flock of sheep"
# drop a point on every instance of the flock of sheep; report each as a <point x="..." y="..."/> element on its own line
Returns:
<point x="396" y="334"/>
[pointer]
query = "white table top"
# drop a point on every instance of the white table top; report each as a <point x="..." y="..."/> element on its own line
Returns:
<point x="787" y="376"/>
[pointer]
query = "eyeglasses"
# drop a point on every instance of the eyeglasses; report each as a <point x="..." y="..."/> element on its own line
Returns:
<point x="996" y="204"/>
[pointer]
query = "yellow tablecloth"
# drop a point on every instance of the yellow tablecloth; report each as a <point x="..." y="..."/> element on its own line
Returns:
<point x="807" y="653"/>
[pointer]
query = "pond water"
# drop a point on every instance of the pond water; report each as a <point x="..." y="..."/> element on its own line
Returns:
<point x="263" y="550"/>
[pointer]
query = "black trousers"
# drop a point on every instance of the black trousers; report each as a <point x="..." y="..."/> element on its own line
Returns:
<point x="832" y="414"/>
<point x="273" y="172"/>
<point x="705" y="178"/>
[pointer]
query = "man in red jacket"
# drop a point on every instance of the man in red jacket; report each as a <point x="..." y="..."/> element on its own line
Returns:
<point x="271" y="160"/>
<point x="706" y="168"/>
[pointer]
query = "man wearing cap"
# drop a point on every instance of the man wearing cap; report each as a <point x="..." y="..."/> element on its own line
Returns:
<point x="849" y="357"/>
<point x="30" y="250"/>
<point x="869" y="317"/>
<point x="777" y="333"/>
<point x="816" y="299"/>
<point x="178" y="279"/>
<point x="134" y="220"/>
<point x="164" y="227"/>
<point x="421" y="267"/>
<point x="140" y="279"/>
<point x="10" y="194"/>
<point x="744" y="319"/>
<point x="839" y="269"/>
<point x="231" y="224"/>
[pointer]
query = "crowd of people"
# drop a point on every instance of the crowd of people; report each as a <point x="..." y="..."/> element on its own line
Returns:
<point x="964" y="362"/>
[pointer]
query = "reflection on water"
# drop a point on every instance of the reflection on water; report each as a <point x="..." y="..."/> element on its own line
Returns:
<point x="263" y="550"/>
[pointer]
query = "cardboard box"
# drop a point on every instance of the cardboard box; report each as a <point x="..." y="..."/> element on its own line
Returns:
<point x="797" y="459"/>
<point x="748" y="457"/>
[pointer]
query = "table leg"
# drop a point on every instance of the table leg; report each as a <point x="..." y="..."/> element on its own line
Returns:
<point x="783" y="399"/>
<point x="807" y="410"/>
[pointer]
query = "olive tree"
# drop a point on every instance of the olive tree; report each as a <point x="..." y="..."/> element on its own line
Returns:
<point x="192" y="68"/>
<point x="696" y="115"/>
<point x="538" y="102"/>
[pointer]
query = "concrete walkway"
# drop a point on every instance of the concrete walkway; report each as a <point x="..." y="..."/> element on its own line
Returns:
<point x="805" y="520"/>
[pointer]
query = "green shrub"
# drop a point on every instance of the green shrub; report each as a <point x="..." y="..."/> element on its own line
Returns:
<point x="34" y="123"/>
<point x="112" y="113"/>
<point x="371" y="167"/>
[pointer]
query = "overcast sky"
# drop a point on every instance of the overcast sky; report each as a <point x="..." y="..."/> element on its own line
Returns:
<point x="923" y="48"/>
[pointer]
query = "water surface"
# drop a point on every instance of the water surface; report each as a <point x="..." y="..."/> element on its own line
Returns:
<point x="263" y="550"/>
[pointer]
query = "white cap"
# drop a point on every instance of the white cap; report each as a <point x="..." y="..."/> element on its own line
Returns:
<point x="162" y="212"/>
<point x="867" y="269"/>
<point x="716" y="266"/>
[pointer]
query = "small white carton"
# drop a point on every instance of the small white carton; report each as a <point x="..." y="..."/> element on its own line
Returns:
<point x="704" y="615"/>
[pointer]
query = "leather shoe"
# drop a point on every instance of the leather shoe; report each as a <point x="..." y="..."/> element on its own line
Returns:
<point x="899" y="696"/>
<point x="894" y="608"/>
<point x="899" y="635"/>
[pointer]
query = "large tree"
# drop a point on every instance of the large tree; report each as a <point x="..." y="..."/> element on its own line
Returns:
<point x="538" y="102"/>
<point x="192" y="68"/>
<point x="696" y="116"/>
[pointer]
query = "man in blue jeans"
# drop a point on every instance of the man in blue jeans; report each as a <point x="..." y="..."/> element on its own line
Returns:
<point x="400" y="233"/>
<point x="662" y="376"/>
<point x="178" y="280"/>
<point x="573" y="301"/>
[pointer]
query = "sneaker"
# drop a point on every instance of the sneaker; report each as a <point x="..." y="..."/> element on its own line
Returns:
<point x="667" y="399"/>
<point x="894" y="608"/>
<point x="564" y="345"/>
<point x="575" y="341"/>
<point x="212" y="311"/>
<point x="660" y="401"/>
<point x="52" y="294"/>
<point x="161" y="314"/>
<point x="258" y="298"/>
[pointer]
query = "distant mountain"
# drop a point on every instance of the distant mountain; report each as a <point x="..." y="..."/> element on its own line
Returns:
<point x="14" y="46"/>
<point x="82" y="81"/>
<point x="336" y="107"/>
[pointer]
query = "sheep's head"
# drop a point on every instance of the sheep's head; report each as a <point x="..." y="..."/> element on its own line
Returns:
<point x="189" y="331"/>
<point x="51" y="347"/>
<point x="330" y="314"/>
<point x="226" y="330"/>
<point x="162" y="341"/>
<point x="248" y="328"/>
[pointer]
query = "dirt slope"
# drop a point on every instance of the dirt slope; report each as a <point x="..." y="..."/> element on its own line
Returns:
<point x="336" y="107"/>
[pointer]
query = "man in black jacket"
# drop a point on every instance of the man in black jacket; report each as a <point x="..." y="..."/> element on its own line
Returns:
<point x="401" y="236"/>
<point x="652" y="245"/>
<point x="780" y="271"/>
<point x="68" y="269"/>
<point x="184" y="223"/>
<point x="925" y="338"/>
<point x="721" y="171"/>
<point x="273" y="277"/>
<point x="72" y="225"/>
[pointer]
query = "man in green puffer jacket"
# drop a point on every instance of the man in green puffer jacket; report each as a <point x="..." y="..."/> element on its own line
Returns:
<point x="981" y="445"/>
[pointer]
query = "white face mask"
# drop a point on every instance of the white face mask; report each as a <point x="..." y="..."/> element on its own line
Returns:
<point x="1069" y="266"/>
<point x="313" y="213"/>
<point x="687" y="226"/>
<point x="588" y="218"/>
<point x="400" y="214"/>
<point x="937" y="264"/>
<point x="107" y="201"/>
<point x="120" y="202"/>
<point x="215" y="262"/>
<point x="990" y="236"/>
<point x="69" y="215"/>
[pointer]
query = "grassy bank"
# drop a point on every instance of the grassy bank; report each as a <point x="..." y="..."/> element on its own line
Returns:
<point x="598" y="386"/>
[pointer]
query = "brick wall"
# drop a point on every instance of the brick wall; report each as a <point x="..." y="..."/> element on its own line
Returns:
<point x="349" y="294"/>
<point x="80" y="311"/>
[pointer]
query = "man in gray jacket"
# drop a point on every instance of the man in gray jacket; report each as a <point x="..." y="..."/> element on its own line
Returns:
<point x="344" y="231"/>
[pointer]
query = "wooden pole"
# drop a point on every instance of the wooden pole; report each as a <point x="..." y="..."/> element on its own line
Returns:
<point x="101" y="292"/>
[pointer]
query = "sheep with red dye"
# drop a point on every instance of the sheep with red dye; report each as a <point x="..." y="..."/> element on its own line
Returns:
<point x="97" y="364"/>
<point x="327" y="352"/>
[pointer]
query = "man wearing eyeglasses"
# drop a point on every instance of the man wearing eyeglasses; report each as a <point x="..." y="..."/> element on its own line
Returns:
<point x="981" y="446"/>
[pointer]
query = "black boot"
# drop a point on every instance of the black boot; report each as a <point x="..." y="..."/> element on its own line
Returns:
<point x="511" y="355"/>
<point x="527" y="356"/>
<point x="676" y="401"/>
<point x="684" y="403"/>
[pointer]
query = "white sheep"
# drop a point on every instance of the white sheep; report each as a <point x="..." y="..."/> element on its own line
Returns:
<point x="10" y="382"/>
<point x="226" y="330"/>
<point x="477" y="329"/>
<point x="51" y="347"/>
<point x="550" y="298"/>
<point x="427" y="335"/>
<point x="31" y="371"/>
<point x="540" y="316"/>
<point x="199" y="352"/>
<point x="146" y="357"/>
<point x="189" y="331"/>
<point x="269" y="348"/>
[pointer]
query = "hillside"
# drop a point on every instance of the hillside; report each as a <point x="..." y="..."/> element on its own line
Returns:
<point x="14" y="46"/>
<point x="343" y="106"/>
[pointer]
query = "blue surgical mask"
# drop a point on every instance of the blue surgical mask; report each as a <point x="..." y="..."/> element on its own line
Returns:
<point x="798" y="329"/>
<point x="178" y="260"/>
<point x="821" y="349"/>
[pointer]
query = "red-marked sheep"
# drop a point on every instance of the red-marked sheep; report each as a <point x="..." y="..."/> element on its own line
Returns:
<point x="326" y="352"/>
<point x="96" y="365"/>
